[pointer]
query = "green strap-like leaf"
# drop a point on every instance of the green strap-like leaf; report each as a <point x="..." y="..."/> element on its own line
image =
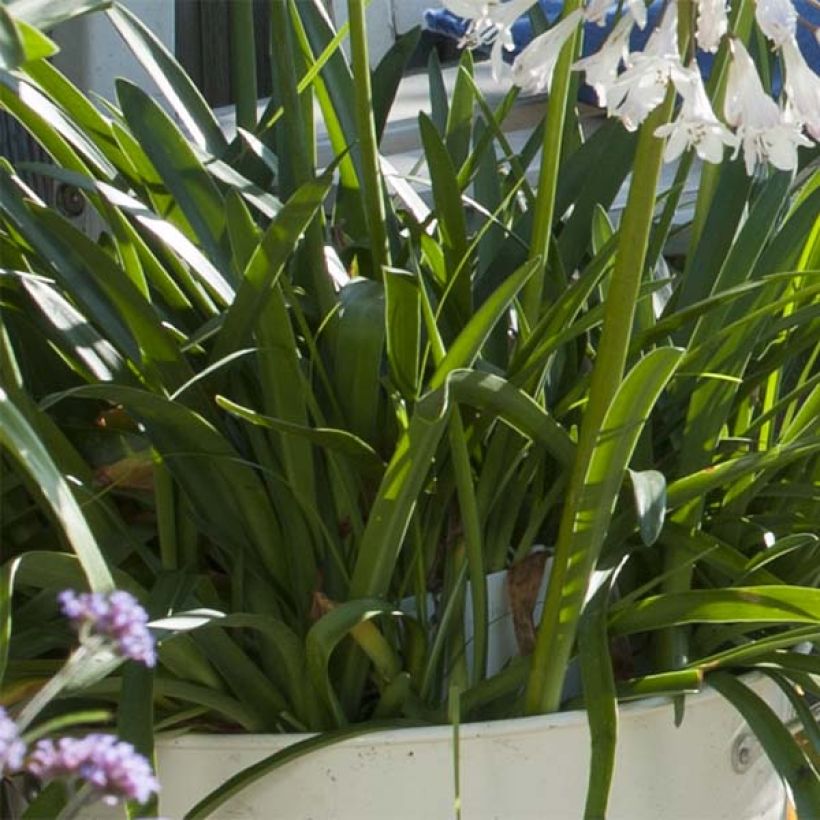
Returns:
<point x="358" y="342"/>
<point x="339" y="441"/>
<point x="226" y="492"/>
<point x="42" y="569"/>
<point x="402" y="319"/>
<point x="213" y="699"/>
<point x="805" y="713"/>
<point x="500" y="399"/>
<point x="649" y="490"/>
<point x="762" y="604"/>
<point x="7" y="574"/>
<point x="600" y="698"/>
<point x="468" y="343"/>
<point x="719" y="475"/>
<point x="288" y="649"/>
<point x="337" y="624"/>
<point x="181" y="170"/>
<point x="182" y="94"/>
<point x="559" y="317"/>
<point x="333" y="87"/>
<point x="267" y="204"/>
<point x="397" y="496"/>
<point x="12" y="53"/>
<point x="67" y="143"/>
<point x="19" y="438"/>
<point x="458" y="130"/>
<point x="45" y="14"/>
<point x="452" y="222"/>
<point x="107" y="296"/>
<point x="267" y="262"/>
<point x="739" y="263"/>
<point x="82" y="111"/>
<point x="75" y="336"/>
<point x="759" y="649"/>
<point x="252" y="688"/>
<point x="579" y="544"/>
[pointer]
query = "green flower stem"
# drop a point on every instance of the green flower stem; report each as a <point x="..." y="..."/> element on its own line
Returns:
<point x="55" y="685"/>
<point x="740" y="26"/>
<point x="300" y="140"/>
<point x="284" y="55"/>
<point x="672" y="644"/>
<point x="557" y="104"/>
<point x="562" y="609"/>
<point x="366" y="128"/>
<point x="243" y="63"/>
<point x="79" y="800"/>
<point x="166" y="511"/>
<point x="465" y="487"/>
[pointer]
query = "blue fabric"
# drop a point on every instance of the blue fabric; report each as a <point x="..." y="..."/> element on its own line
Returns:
<point x="445" y="22"/>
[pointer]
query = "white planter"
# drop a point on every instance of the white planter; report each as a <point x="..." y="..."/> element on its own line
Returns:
<point x="510" y="770"/>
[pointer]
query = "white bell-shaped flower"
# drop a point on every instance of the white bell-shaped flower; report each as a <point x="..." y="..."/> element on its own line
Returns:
<point x="765" y="132"/>
<point x="601" y="68"/>
<point x="471" y="9"/>
<point x="637" y="8"/>
<point x="534" y="66"/>
<point x="642" y="87"/>
<point x="777" y="19"/>
<point x="713" y="23"/>
<point x="696" y="125"/>
<point x="802" y="87"/>
<point x="596" y="11"/>
<point x="496" y="12"/>
<point x="490" y="23"/>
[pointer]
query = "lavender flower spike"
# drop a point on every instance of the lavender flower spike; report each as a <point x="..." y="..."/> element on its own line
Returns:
<point x="115" y="616"/>
<point x="113" y="769"/>
<point x="12" y="748"/>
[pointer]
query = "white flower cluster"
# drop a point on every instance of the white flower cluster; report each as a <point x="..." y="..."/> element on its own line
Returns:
<point x="632" y="84"/>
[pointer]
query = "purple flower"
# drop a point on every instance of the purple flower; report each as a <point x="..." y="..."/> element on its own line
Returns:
<point x="12" y="749"/>
<point x="116" y="616"/>
<point x="113" y="769"/>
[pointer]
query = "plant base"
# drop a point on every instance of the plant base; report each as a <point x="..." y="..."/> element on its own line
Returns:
<point x="710" y="768"/>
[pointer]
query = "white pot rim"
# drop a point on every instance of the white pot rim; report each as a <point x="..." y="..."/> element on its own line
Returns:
<point x="519" y="726"/>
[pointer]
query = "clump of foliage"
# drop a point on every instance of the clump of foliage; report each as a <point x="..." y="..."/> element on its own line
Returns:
<point x="289" y="398"/>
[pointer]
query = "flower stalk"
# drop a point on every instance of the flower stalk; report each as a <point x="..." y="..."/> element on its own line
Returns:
<point x="557" y="106"/>
<point x="243" y="63"/>
<point x="56" y="684"/>
<point x="299" y="142"/>
<point x="572" y="568"/>
<point x="366" y="127"/>
<point x="79" y="799"/>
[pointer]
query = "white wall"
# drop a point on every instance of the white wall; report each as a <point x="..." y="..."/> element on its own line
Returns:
<point x="380" y="30"/>
<point x="92" y="53"/>
<point x="409" y="13"/>
<point x="385" y="20"/>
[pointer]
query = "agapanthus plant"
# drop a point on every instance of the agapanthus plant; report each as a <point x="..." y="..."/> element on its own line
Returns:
<point x="316" y="451"/>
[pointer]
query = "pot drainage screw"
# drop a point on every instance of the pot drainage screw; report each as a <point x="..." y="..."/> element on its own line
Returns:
<point x="70" y="200"/>
<point x="743" y="753"/>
